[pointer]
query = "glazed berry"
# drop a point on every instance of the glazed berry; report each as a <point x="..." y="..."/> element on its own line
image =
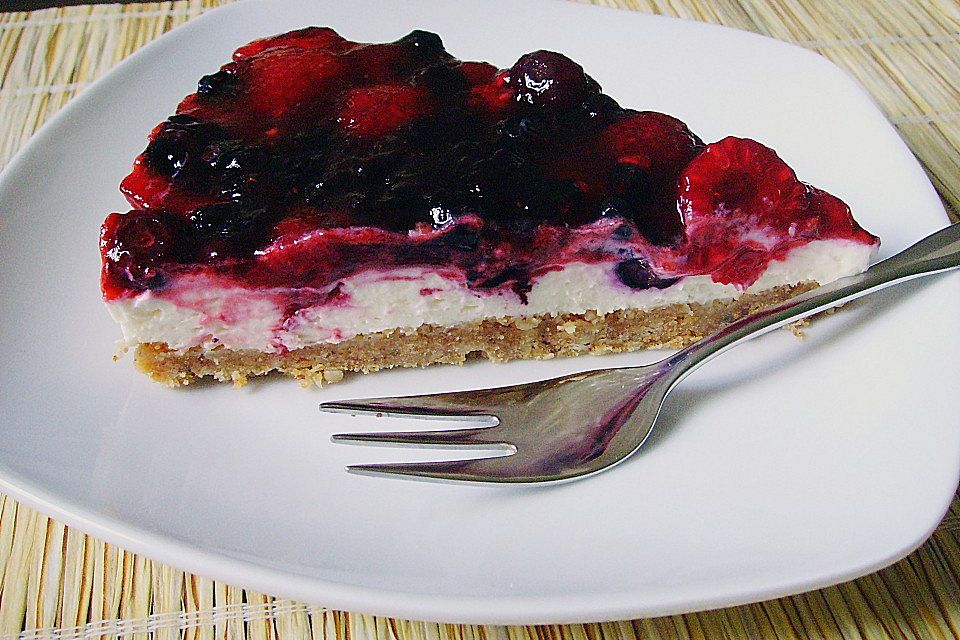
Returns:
<point x="423" y="45"/>
<point x="595" y="112"/>
<point x="178" y="146"/>
<point x="650" y="150"/>
<point x="317" y="38"/>
<point x="167" y="157"/>
<point x="135" y="248"/>
<point x="493" y="98"/>
<point x="442" y="78"/>
<point x="827" y="215"/>
<point x="281" y="85"/>
<point x="372" y="112"/>
<point x="739" y="178"/>
<point x="545" y="79"/>
<point x="636" y="274"/>
<point x="218" y="84"/>
<point x="654" y="142"/>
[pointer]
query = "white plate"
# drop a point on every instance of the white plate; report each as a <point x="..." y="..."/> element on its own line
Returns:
<point x="789" y="466"/>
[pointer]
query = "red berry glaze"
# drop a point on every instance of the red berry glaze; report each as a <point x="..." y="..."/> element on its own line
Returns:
<point x="309" y="158"/>
<point x="373" y="112"/>
<point x="316" y="38"/>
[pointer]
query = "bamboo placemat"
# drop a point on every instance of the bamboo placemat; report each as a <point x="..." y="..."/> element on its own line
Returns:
<point x="56" y="582"/>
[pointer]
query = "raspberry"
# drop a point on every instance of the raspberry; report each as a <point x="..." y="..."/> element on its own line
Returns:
<point x="650" y="150"/>
<point x="829" y="216"/>
<point x="658" y="144"/>
<point x="372" y="112"/>
<point x="739" y="178"/>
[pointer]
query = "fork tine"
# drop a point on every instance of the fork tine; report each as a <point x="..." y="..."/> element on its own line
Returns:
<point x="431" y="406"/>
<point x="469" y="437"/>
<point x="477" y="470"/>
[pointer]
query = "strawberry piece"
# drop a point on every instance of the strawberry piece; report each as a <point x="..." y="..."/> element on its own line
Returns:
<point x="318" y="257"/>
<point x="282" y="79"/>
<point x="494" y="97"/>
<point x="372" y="112"/>
<point x="320" y="38"/>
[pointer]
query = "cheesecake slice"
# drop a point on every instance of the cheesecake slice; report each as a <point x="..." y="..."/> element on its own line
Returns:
<point x="321" y="206"/>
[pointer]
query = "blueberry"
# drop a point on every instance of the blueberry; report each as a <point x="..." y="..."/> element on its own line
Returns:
<point x="166" y="156"/>
<point x="519" y="130"/>
<point x="180" y="146"/>
<point x="597" y="110"/>
<point x="615" y="207"/>
<point x="623" y="232"/>
<point x="217" y="84"/>
<point x="423" y="44"/>
<point x="147" y="236"/>
<point x="549" y="79"/>
<point x="636" y="274"/>
<point x="226" y="220"/>
<point x="442" y="79"/>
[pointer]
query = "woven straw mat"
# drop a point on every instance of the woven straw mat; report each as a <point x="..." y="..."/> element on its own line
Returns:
<point x="60" y="583"/>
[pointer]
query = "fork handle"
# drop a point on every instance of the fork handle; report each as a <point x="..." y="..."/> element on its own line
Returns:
<point x="934" y="254"/>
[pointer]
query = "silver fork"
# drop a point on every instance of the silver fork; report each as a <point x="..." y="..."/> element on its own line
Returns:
<point x="577" y="425"/>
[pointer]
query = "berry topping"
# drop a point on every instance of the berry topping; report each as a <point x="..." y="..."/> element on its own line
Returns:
<point x="178" y="145"/>
<point x="310" y="157"/>
<point x="289" y="81"/>
<point x="423" y="45"/>
<point x="372" y="112"/>
<point x="658" y="144"/>
<point x="545" y="79"/>
<point x="135" y="248"/>
<point x="494" y="97"/>
<point x="221" y="83"/>
<point x="739" y="178"/>
<point x="317" y="38"/>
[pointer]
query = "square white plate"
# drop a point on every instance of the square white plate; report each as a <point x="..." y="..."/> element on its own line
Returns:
<point x="787" y="467"/>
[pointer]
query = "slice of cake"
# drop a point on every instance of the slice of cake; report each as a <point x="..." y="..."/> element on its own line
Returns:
<point x="321" y="206"/>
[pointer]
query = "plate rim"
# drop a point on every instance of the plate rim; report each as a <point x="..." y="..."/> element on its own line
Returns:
<point x="335" y="595"/>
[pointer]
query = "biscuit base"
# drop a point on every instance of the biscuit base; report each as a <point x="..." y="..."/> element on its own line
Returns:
<point x="497" y="339"/>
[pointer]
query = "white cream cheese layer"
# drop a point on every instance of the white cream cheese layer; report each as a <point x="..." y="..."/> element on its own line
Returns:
<point x="199" y="311"/>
